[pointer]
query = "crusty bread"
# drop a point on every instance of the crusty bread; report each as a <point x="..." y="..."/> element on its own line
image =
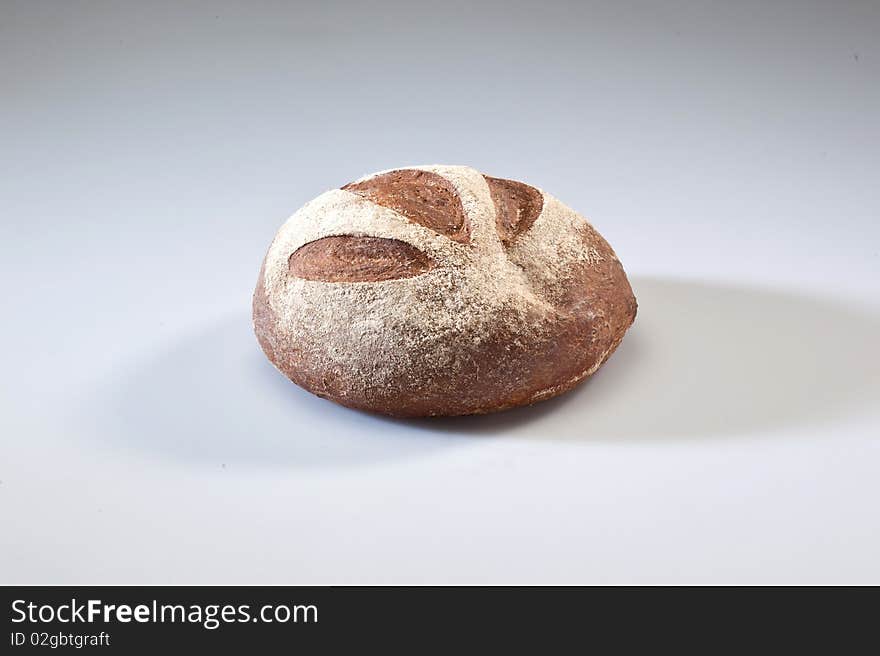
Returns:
<point x="437" y="290"/>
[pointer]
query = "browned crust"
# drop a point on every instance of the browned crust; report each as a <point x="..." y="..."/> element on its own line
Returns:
<point x="421" y="196"/>
<point x="517" y="205"/>
<point x="500" y="373"/>
<point x="350" y="258"/>
<point x="521" y="361"/>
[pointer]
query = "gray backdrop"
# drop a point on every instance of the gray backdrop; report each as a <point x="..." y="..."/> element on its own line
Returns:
<point x="728" y="151"/>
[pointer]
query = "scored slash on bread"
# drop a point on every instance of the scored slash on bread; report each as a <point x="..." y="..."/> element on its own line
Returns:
<point x="438" y="290"/>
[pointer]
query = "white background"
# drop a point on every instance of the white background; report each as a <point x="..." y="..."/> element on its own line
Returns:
<point x="729" y="152"/>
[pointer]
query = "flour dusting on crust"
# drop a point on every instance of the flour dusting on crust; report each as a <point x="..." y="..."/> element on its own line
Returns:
<point x="480" y="320"/>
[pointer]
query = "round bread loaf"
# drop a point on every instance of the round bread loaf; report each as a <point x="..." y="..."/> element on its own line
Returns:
<point x="437" y="290"/>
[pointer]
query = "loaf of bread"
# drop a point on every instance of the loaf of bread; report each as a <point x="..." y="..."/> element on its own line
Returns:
<point x="437" y="290"/>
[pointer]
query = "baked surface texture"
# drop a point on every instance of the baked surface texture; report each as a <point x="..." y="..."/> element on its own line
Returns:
<point x="436" y="290"/>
